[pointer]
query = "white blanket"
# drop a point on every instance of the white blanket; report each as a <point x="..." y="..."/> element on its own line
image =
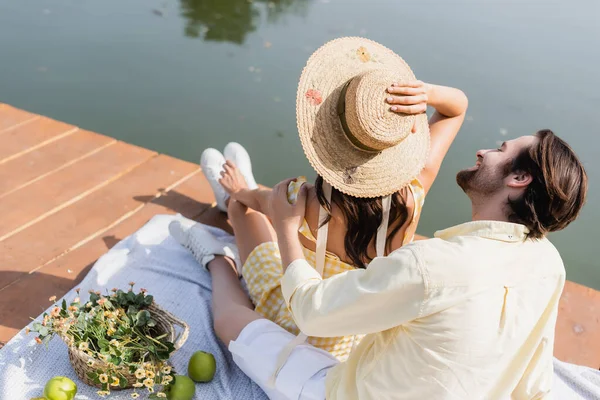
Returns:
<point x="153" y="260"/>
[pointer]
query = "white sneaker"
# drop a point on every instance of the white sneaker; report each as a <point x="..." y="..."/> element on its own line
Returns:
<point x="203" y="245"/>
<point x="236" y="153"/>
<point x="212" y="162"/>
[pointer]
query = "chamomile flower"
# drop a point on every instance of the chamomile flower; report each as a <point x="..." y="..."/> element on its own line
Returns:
<point x="148" y="382"/>
<point x="103" y="378"/>
<point x="140" y="373"/>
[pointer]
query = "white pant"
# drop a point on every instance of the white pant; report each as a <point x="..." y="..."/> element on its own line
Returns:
<point x="302" y="377"/>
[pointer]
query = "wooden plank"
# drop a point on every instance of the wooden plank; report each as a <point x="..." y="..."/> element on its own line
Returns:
<point x="189" y="198"/>
<point x="47" y="159"/>
<point x="38" y="200"/>
<point x="578" y="326"/>
<point x="32" y="135"/>
<point x="39" y="244"/>
<point x="11" y="117"/>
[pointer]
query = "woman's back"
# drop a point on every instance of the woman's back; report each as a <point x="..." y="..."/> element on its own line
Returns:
<point x="412" y="197"/>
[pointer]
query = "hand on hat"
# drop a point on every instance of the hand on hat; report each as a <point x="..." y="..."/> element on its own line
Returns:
<point x="409" y="98"/>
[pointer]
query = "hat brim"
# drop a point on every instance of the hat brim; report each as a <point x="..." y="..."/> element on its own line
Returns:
<point x="341" y="164"/>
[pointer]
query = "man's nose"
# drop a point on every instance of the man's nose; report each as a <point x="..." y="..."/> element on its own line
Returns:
<point x="482" y="152"/>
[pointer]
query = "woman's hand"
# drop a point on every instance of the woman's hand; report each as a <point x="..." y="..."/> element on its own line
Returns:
<point x="232" y="179"/>
<point x="409" y="98"/>
<point x="287" y="218"/>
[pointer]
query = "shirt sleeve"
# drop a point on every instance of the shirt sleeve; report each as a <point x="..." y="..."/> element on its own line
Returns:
<point x="388" y="293"/>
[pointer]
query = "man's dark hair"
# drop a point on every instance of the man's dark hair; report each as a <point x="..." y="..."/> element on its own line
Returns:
<point x="558" y="189"/>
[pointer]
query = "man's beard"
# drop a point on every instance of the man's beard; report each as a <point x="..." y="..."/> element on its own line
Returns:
<point x="481" y="181"/>
<point x="463" y="179"/>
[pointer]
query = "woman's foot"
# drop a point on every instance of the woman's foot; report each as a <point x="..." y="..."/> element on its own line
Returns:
<point x="203" y="245"/>
<point x="233" y="180"/>
<point x="237" y="154"/>
<point x="212" y="162"/>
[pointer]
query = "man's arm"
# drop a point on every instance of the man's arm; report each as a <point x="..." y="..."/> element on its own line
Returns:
<point x="388" y="293"/>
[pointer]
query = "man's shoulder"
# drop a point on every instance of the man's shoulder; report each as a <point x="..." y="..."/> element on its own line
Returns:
<point x="473" y="255"/>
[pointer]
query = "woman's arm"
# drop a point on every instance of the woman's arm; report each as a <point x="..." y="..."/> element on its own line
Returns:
<point x="257" y="199"/>
<point x="450" y="106"/>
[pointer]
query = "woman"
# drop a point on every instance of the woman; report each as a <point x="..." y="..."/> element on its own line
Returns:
<point x="362" y="127"/>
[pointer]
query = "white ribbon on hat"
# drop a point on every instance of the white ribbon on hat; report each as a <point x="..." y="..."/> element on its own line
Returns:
<point x="322" y="233"/>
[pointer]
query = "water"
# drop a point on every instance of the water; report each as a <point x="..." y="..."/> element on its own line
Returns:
<point x="177" y="76"/>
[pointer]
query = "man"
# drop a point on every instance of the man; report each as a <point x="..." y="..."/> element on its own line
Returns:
<point x="469" y="314"/>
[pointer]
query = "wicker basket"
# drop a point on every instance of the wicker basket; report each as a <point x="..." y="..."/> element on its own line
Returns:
<point x="165" y="323"/>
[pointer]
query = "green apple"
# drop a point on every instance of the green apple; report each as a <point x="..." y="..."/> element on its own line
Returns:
<point x="202" y="367"/>
<point x="182" y="388"/>
<point x="60" y="388"/>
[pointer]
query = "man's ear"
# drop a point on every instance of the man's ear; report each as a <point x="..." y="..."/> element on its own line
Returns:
<point x="519" y="180"/>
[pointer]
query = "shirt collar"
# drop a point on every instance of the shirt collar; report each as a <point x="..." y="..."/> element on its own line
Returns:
<point x="495" y="230"/>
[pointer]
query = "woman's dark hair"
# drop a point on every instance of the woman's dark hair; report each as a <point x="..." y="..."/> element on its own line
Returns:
<point x="363" y="217"/>
<point x="558" y="189"/>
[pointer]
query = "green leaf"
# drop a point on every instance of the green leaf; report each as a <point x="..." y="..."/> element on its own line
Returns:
<point x="148" y="300"/>
<point x="132" y="310"/>
<point x="142" y="318"/>
<point x="36" y="327"/>
<point x="115" y="360"/>
<point x="122" y="381"/>
<point x="64" y="305"/>
<point x="139" y="299"/>
<point x="151" y="323"/>
<point x="121" y="299"/>
<point x="47" y="339"/>
<point x="94" y="298"/>
<point x="92" y="375"/>
<point x="43" y="331"/>
<point x="162" y="355"/>
<point x="103" y="343"/>
<point x="130" y="297"/>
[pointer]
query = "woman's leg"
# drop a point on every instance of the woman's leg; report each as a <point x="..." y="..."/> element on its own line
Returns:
<point x="232" y="313"/>
<point x="250" y="227"/>
<point x="231" y="307"/>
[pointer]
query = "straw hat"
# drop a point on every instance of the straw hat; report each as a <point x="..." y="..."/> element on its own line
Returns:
<point x="349" y="135"/>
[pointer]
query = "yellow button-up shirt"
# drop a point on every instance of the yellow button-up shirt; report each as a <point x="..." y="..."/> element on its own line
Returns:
<point x="469" y="314"/>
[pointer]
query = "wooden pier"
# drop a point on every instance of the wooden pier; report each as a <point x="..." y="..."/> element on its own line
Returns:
<point x="67" y="195"/>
